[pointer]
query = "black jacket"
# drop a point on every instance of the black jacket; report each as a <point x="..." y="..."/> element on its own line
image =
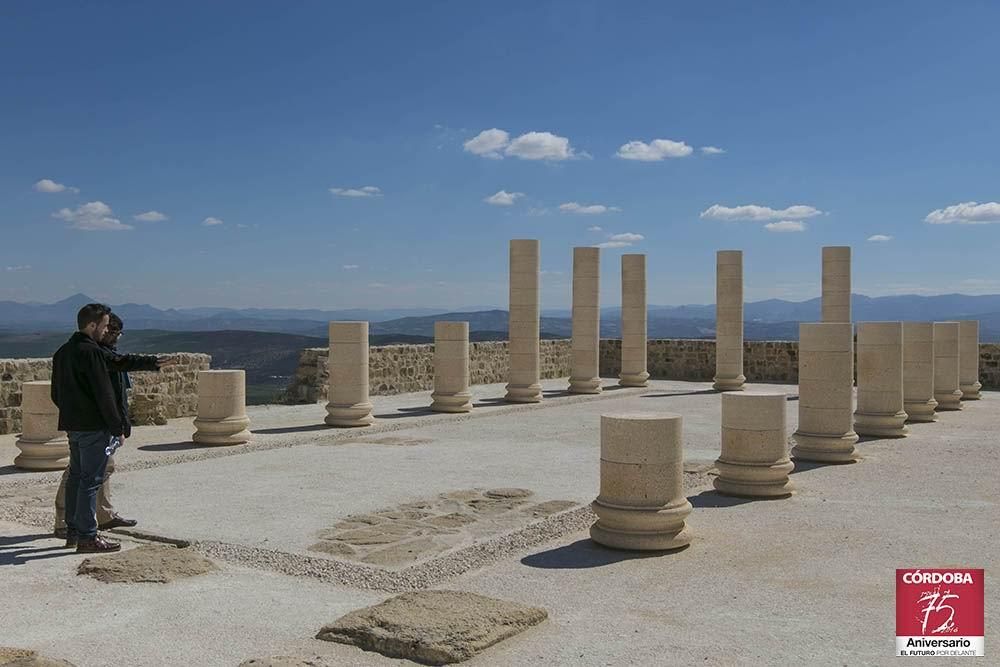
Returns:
<point x="118" y="367"/>
<point x="82" y="387"/>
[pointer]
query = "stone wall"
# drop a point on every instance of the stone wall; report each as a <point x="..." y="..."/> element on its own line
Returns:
<point x="401" y="368"/>
<point x="155" y="398"/>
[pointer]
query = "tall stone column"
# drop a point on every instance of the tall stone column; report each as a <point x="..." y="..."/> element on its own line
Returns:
<point x="754" y="460"/>
<point x="880" y="380"/>
<point x="222" y="408"/>
<point x="524" y="384"/>
<point x="826" y="393"/>
<point x="585" y="375"/>
<point x="641" y="503"/>
<point x="918" y="371"/>
<point x="729" y="321"/>
<point x="968" y="360"/>
<point x="837" y="284"/>
<point x="947" y="388"/>
<point x="633" y="373"/>
<point x="43" y="446"/>
<point x="451" y="368"/>
<point x="347" y="392"/>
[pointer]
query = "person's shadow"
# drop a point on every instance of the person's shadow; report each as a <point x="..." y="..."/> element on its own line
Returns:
<point x="14" y="550"/>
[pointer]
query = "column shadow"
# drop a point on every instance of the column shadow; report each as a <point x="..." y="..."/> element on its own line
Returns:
<point x="584" y="554"/>
<point x="292" y="429"/>
<point x="712" y="498"/>
<point x="697" y="392"/>
<point x="175" y="446"/>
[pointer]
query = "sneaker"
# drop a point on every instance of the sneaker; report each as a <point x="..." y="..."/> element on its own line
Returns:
<point x="97" y="545"/>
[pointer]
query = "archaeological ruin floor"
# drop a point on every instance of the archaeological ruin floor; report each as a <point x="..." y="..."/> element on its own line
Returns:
<point x="308" y="522"/>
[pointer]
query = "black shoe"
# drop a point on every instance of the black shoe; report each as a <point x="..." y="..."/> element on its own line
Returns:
<point x="60" y="533"/>
<point x="97" y="545"/>
<point x="71" y="542"/>
<point x="118" y="522"/>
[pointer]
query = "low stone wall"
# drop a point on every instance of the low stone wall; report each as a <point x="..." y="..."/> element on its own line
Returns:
<point x="155" y="397"/>
<point x="396" y="369"/>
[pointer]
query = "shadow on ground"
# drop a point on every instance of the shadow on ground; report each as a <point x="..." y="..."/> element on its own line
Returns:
<point x="291" y="429"/>
<point x="698" y="392"/>
<point x="174" y="447"/>
<point x="14" y="549"/>
<point x="713" y="498"/>
<point x="584" y="554"/>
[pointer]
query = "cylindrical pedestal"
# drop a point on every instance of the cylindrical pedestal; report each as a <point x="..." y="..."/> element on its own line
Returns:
<point x="729" y="321"/>
<point x="880" y="381"/>
<point x="222" y="408"/>
<point x="43" y="446"/>
<point x="524" y="384"/>
<point x="968" y="360"/>
<point x="348" y="363"/>
<point x="754" y="460"/>
<point x="836" y="302"/>
<point x="641" y="504"/>
<point x="633" y="373"/>
<point x="826" y="393"/>
<point x="918" y="371"/>
<point x="585" y="372"/>
<point x="947" y="388"/>
<point x="451" y="368"/>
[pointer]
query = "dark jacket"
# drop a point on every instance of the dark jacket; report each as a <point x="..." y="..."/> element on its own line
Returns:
<point x="118" y="367"/>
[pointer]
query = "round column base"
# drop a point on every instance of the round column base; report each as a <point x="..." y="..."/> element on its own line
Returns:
<point x="641" y="528"/>
<point x="585" y="385"/>
<point x="42" y="455"/>
<point x="524" y="393"/>
<point x="729" y="383"/>
<point x="634" y="379"/>
<point x="458" y="402"/>
<point x="754" y="480"/>
<point x="221" y="431"/>
<point x="349" y="415"/>
<point x="825" y="448"/>
<point x="881" y="425"/>
<point x="949" y="401"/>
<point x="970" y="392"/>
<point x="921" y="411"/>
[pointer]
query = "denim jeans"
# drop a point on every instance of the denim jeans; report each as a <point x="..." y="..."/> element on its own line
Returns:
<point x="88" y="462"/>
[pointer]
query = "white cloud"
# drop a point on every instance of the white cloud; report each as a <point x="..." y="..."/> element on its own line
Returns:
<point x="879" y="238"/>
<point x="655" y="151"/>
<point x="712" y="150"/>
<point x="756" y="213"/>
<point x="150" y="216"/>
<point x="966" y="213"/>
<point x="95" y="216"/>
<point x="587" y="209"/>
<point x="786" y="226"/>
<point x="503" y="198"/>
<point x="25" y="267"/>
<point x="48" y="185"/>
<point x="496" y="143"/>
<point x="488" y="143"/>
<point x="627" y="236"/>
<point x="614" y="244"/>
<point x="366" y="191"/>
<point x="349" y="267"/>
<point x="211" y="222"/>
<point x="594" y="228"/>
<point x="534" y="212"/>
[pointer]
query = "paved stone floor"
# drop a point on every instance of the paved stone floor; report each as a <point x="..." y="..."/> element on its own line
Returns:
<point x="307" y="523"/>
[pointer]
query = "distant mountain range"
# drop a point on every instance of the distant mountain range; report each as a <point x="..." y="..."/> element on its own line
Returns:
<point x="774" y="319"/>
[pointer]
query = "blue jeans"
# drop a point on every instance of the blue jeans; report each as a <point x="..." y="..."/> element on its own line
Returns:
<point x="88" y="462"/>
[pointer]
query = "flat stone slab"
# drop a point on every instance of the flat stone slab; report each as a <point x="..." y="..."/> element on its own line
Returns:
<point x="25" y="657"/>
<point x="433" y="627"/>
<point x="151" y="563"/>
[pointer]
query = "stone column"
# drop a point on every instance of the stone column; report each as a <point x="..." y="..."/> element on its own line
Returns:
<point x="918" y="371"/>
<point x="585" y="377"/>
<point x="880" y="381"/>
<point x="947" y="388"/>
<point x="826" y="393"/>
<point x="729" y="321"/>
<point x="968" y="360"/>
<point x="524" y="385"/>
<point x="222" y="408"/>
<point x="348" y="364"/>
<point x="837" y="284"/>
<point x="43" y="446"/>
<point x="641" y="504"/>
<point x="633" y="373"/>
<point x="451" y="368"/>
<point x="754" y="460"/>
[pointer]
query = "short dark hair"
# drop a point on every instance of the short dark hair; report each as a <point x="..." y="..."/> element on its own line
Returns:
<point x="115" y="322"/>
<point x="91" y="313"/>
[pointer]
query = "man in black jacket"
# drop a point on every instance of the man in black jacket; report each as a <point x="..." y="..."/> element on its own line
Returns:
<point x="118" y="367"/>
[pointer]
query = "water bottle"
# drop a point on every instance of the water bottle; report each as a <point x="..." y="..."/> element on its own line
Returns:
<point x="116" y="442"/>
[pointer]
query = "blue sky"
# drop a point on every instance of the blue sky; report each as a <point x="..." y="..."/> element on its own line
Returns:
<point x="845" y="120"/>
